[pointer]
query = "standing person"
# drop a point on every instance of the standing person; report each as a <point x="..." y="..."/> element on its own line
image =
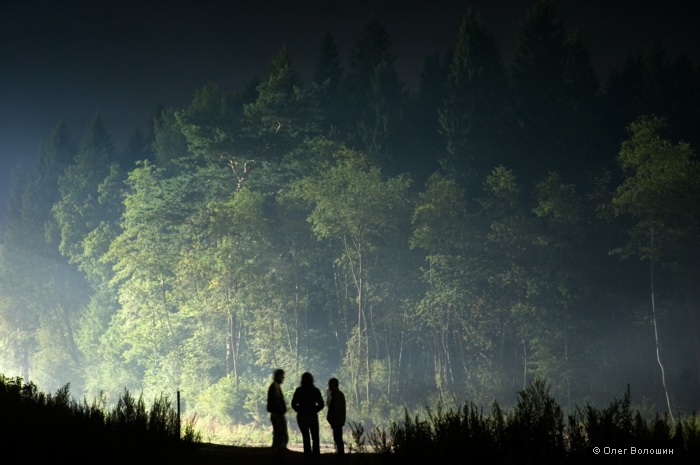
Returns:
<point x="336" y="414"/>
<point x="307" y="402"/>
<point x="277" y="408"/>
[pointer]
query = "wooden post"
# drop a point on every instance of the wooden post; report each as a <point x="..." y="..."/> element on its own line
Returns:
<point x="178" y="415"/>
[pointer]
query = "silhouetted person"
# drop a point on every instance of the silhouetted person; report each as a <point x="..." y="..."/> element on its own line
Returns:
<point x="336" y="414"/>
<point x="307" y="402"/>
<point x="277" y="408"/>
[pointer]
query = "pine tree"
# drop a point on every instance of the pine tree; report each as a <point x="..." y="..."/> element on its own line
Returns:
<point x="327" y="67"/>
<point x="82" y="209"/>
<point x="169" y="143"/>
<point x="554" y="85"/>
<point x="328" y="74"/>
<point x="283" y="112"/>
<point x="375" y="96"/>
<point x="139" y="148"/>
<point x="472" y="116"/>
<point x="421" y="144"/>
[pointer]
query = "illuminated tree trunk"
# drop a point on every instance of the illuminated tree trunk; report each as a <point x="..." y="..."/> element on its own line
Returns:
<point x="656" y="330"/>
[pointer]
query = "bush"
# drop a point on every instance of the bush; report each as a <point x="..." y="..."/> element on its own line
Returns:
<point x="39" y="427"/>
<point x="533" y="432"/>
<point x="535" y="429"/>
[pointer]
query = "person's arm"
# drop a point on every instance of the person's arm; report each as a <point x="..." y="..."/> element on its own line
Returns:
<point x="295" y="400"/>
<point x="341" y="409"/>
<point x="270" y="399"/>
<point x="319" y="401"/>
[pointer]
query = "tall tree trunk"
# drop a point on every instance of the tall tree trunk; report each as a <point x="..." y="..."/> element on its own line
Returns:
<point x="23" y="352"/>
<point x="230" y="363"/>
<point x="656" y="330"/>
<point x="524" y="359"/>
<point x="70" y="341"/>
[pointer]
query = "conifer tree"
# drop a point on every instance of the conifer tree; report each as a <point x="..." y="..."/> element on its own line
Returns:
<point x="554" y="87"/>
<point x="87" y="211"/>
<point x="282" y="113"/>
<point x="169" y="143"/>
<point x="370" y="51"/>
<point x="327" y="66"/>
<point x="375" y="97"/>
<point x="328" y="74"/>
<point x="472" y="116"/>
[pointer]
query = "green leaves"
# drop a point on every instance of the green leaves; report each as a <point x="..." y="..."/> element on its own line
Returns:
<point x="440" y="218"/>
<point x="283" y="111"/>
<point x="272" y="229"/>
<point x="351" y="199"/>
<point x="659" y="192"/>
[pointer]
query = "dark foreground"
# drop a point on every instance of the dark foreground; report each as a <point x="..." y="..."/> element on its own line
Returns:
<point x="216" y="454"/>
<point x="38" y="428"/>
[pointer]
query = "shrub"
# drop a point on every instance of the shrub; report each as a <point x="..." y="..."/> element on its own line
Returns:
<point x="533" y="432"/>
<point x="39" y="427"/>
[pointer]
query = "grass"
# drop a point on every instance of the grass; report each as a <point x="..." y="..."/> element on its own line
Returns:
<point x="38" y="427"/>
<point x="533" y="432"/>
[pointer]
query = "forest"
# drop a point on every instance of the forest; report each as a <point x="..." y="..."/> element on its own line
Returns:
<point x="501" y="223"/>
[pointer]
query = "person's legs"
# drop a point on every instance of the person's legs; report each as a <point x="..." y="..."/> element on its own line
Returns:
<point x="338" y="440"/>
<point x="305" y="434"/>
<point x="313" y="426"/>
<point x="280" y="437"/>
<point x="283" y="432"/>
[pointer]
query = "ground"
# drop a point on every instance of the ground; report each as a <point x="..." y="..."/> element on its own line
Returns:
<point x="216" y="454"/>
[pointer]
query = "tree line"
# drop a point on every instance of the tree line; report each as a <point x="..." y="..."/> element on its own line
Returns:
<point x="498" y="224"/>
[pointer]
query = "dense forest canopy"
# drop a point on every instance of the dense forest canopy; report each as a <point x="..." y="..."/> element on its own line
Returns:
<point x="503" y="222"/>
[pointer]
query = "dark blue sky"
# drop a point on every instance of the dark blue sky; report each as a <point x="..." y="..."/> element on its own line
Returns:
<point x="71" y="59"/>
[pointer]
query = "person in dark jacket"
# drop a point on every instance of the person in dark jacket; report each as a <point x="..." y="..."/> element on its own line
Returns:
<point x="277" y="408"/>
<point x="307" y="402"/>
<point x="336" y="414"/>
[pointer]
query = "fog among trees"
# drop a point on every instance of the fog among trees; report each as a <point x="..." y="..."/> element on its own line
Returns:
<point x="501" y="223"/>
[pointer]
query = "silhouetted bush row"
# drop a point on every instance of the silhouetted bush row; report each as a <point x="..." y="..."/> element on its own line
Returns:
<point x="535" y="432"/>
<point x="38" y="427"/>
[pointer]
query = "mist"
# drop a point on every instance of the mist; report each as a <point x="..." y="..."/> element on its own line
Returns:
<point x="498" y="224"/>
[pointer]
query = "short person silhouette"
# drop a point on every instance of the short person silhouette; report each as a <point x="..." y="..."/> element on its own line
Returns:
<point x="336" y="414"/>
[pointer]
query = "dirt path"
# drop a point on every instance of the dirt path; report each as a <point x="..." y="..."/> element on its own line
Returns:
<point x="217" y="454"/>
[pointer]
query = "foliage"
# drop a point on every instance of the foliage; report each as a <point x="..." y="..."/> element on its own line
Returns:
<point x="471" y="116"/>
<point x="659" y="191"/>
<point x="44" y="425"/>
<point x="422" y="246"/>
<point x="533" y="431"/>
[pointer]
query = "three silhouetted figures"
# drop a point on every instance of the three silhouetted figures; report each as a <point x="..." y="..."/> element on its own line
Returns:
<point x="307" y="402"/>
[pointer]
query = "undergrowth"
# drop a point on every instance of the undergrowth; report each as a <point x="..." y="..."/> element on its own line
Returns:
<point x="534" y="431"/>
<point x="38" y="427"/>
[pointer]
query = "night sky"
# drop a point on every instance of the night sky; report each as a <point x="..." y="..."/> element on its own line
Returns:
<point x="72" y="59"/>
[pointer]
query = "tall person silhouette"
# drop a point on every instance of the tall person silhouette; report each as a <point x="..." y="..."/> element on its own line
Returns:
<point x="277" y="408"/>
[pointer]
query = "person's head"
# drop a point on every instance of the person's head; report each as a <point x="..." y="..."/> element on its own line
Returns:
<point x="333" y="384"/>
<point x="307" y="379"/>
<point x="278" y="376"/>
